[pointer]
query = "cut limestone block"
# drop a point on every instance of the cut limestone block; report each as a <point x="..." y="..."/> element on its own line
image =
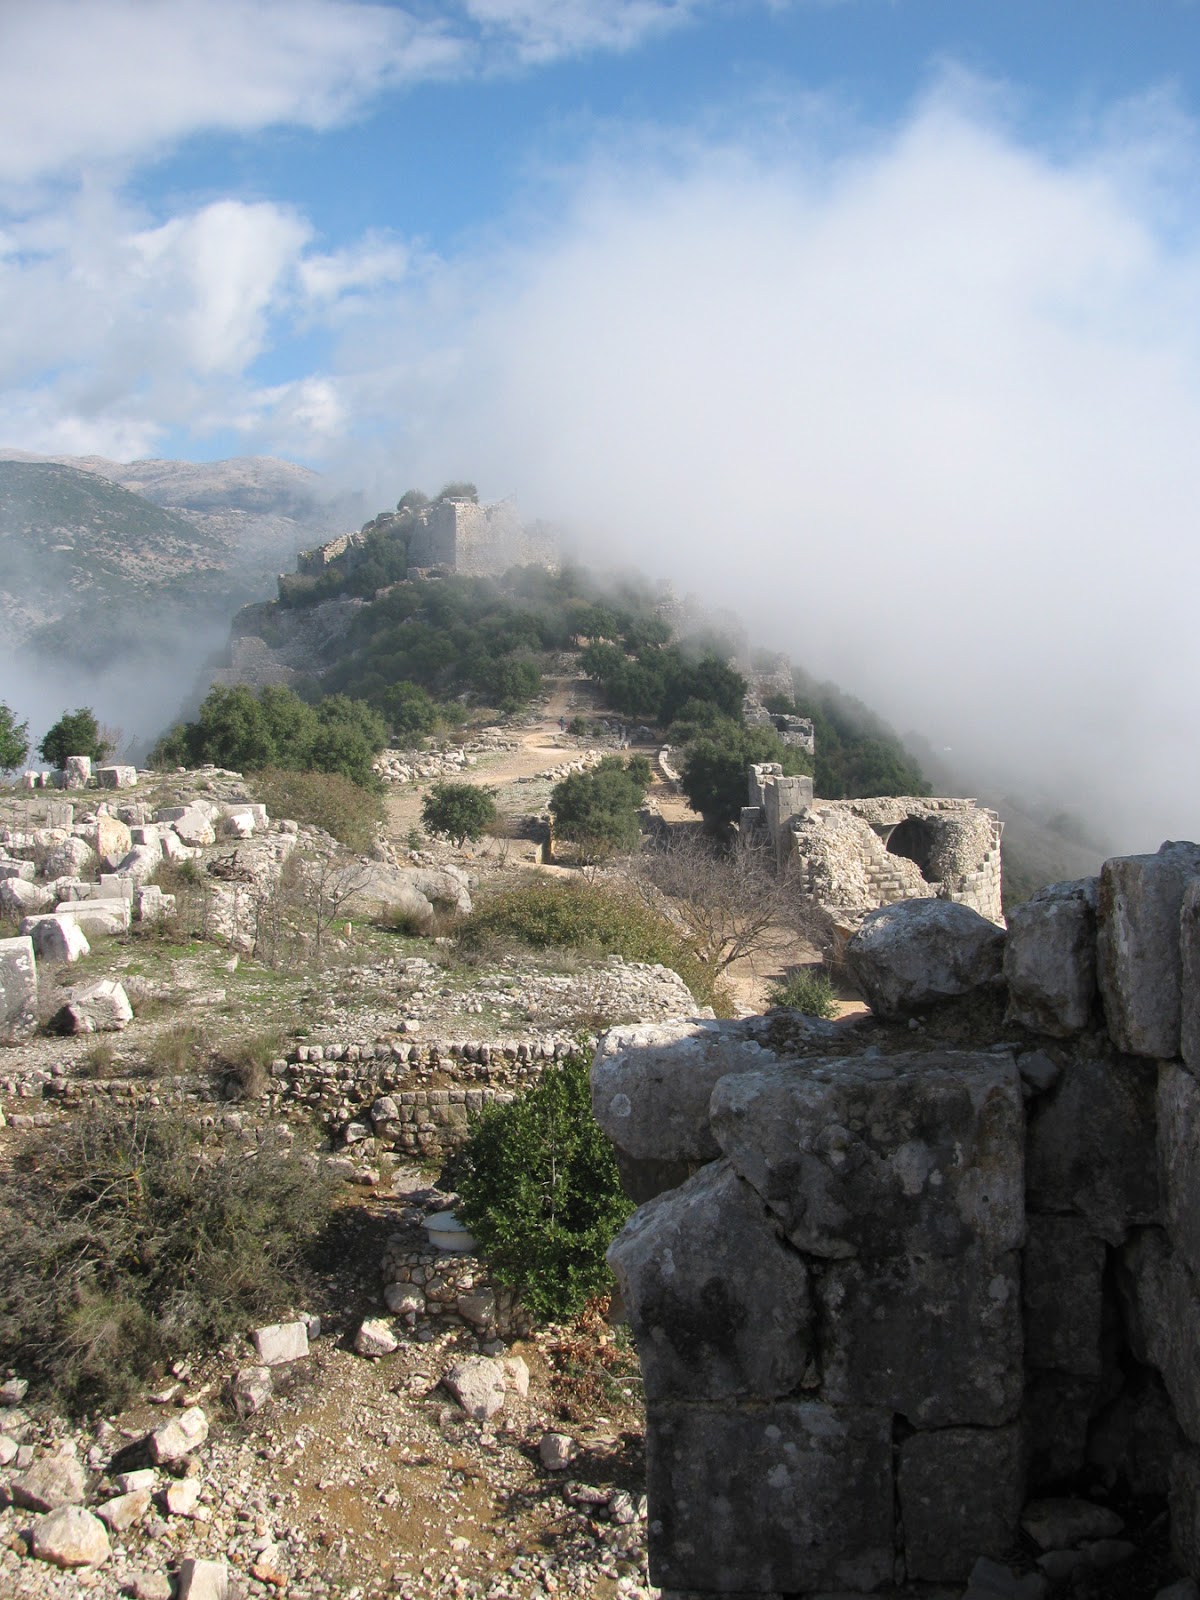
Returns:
<point x="906" y="1173"/>
<point x="718" y="1303"/>
<point x="1050" y="959"/>
<point x="102" y="1007"/>
<point x="18" y="987"/>
<point x="783" y="1498"/>
<point x="280" y="1342"/>
<point x="1092" y="1150"/>
<point x="1139" y="948"/>
<point x="961" y="1492"/>
<point x="56" y="938"/>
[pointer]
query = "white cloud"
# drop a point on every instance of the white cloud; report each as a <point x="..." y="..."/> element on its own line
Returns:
<point x="542" y="30"/>
<point x="927" y="414"/>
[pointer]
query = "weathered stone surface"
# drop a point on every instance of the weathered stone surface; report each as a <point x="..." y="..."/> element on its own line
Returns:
<point x="960" y="1492"/>
<point x="404" y="1299"/>
<point x="908" y="1171"/>
<point x="77" y="772"/>
<point x="180" y="1436"/>
<point x="16" y="869"/>
<point x="479" y="1385"/>
<point x="193" y="827"/>
<point x="556" y="1451"/>
<point x="20" y="898"/>
<point x="280" y="1342"/>
<point x="478" y="1308"/>
<point x="204" y="1580"/>
<point x="124" y="1510"/>
<point x="375" y="1338"/>
<point x="68" y="858"/>
<point x="1092" y="1147"/>
<point x="1050" y="958"/>
<point x="1179" y="1159"/>
<point x="1189" y="940"/>
<point x="140" y="862"/>
<point x="71" y="1537"/>
<point x="910" y="956"/>
<point x="98" y="917"/>
<point x="51" y="1482"/>
<point x="1139" y="948"/>
<point x="57" y="938"/>
<point x="1063" y="1295"/>
<point x="991" y="1580"/>
<point x="181" y="1499"/>
<point x="718" y="1304"/>
<point x="651" y="1085"/>
<point x="1056" y="1524"/>
<point x="1134" y="1438"/>
<point x="1164" y="1307"/>
<point x="112" y="842"/>
<point x="116" y="776"/>
<point x="808" y="1505"/>
<point x="101" y="1007"/>
<point x="18" y="987"/>
<point x="249" y="1389"/>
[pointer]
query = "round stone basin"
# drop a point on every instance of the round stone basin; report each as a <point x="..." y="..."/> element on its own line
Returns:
<point x="446" y="1232"/>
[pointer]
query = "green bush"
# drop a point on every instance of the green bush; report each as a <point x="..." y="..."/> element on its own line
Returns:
<point x="598" y="810"/>
<point x="541" y="1193"/>
<point x="552" y="913"/>
<point x="461" y="811"/>
<point x="128" y="1241"/>
<point x="806" y="989"/>
<point x="14" y="739"/>
<point x="352" y="814"/>
<point x="76" y="733"/>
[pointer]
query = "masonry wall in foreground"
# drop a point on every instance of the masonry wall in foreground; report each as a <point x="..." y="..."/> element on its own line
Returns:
<point x="893" y="1281"/>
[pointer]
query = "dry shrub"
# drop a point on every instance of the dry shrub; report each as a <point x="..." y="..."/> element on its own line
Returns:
<point x="128" y="1241"/>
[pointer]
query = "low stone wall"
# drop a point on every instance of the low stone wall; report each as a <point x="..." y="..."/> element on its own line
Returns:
<point x="893" y="1284"/>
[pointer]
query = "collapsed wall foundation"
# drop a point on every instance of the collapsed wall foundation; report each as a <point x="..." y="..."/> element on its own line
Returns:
<point x="890" y="1282"/>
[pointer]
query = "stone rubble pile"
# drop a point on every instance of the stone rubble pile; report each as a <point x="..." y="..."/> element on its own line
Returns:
<point x="411" y="766"/>
<point x="915" y="1290"/>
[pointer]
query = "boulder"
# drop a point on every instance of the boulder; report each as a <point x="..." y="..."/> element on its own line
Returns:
<point x="249" y="1389"/>
<point x="479" y="1384"/>
<point x="18" y="987"/>
<point x="51" y="1482"/>
<point x="908" y="957"/>
<point x="102" y="1007"/>
<point x="375" y="1338"/>
<point x="650" y="1091"/>
<point x="56" y="938"/>
<point x="112" y="841"/>
<point x="719" y="1305"/>
<point x="1139" y="948"/>
<point x="179" y="1437"/>
<point x="68" y="858"/>
<point x="20" y="898"/>
<point x="193" y="827"/>
<point x="1050" y="959"/>
<point x="905" y="1174"/>
<point x="140" y="862"/>
<point x="71" y="1537"/>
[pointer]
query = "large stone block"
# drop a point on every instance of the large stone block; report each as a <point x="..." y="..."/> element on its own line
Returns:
<point x="961" y="1492"/>
<point x="112" y="842"/>
<point x="1139" y="957"/>
<point x="68" y="858"/>
<point x="1163" y="1301"/>
<point x="719" y="1305"/>
<point x="116" y="777"/>
<point x="98" y="917"/>
<point x="1050" y="958"/>
<point x="102" y="1007"/>
<point x="20" y="898"/>
<point x="882" y="1156"/>
<point x="936" y="1338"/>
<point x="1092" y="1149"/>
<point x="1063" y="1296"/>
<point x="910" y="956"/>
<point x="18" y="987"/>
<point x="787" y="1498"/>
<point x="1057" y="1411"/>
<point x="906" y="1173"/>
<point x="56" y="938"/>
<point x="651" y="1085"/>
<point x="77" y="772"/>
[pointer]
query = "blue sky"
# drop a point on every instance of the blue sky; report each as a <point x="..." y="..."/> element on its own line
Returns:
<point x="877" y="318"/>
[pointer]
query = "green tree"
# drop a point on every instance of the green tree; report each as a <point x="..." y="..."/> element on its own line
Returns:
<point x="541" y="1192"/>
<point x="459" y="810"/>
<point x="598" y="810"/>
<point x="713" y="775"/>
<point x="14" y="739"/>
<point x="76" y="733"/>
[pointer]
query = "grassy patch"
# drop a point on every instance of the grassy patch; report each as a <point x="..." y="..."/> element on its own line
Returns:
<point x="806" y="989"/>
<point x="589" y="917"/>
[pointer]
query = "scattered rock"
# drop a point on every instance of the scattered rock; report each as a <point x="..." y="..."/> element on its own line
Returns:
<point x="179" y="1437"/>
<point x="71" y="1537"/>
<point x="375" y="1338"/>
<point x="54" y="1481"/>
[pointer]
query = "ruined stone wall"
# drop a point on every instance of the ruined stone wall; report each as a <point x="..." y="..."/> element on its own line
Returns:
<point x="480" y="541"/>
<point x="312" y="563"/>
<point x="895" y="1281"/>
